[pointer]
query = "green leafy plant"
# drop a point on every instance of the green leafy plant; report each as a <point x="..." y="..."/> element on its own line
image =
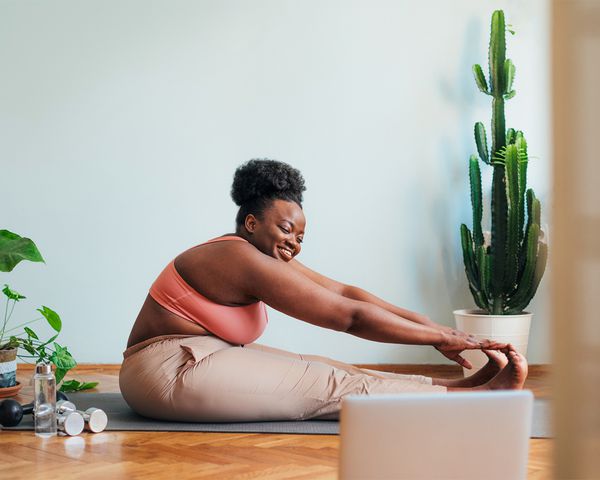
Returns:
<point x="22" y="336"/>
<point x="75" y="386"/>
<point x="14" y="249"/>
<point x="503" y="274"/>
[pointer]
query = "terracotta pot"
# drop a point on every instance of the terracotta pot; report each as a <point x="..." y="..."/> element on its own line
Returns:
<point x="8" y="368"/>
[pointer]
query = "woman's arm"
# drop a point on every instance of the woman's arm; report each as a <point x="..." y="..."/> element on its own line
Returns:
<point x="284" y="288"/>
<point x="356" y="293"/>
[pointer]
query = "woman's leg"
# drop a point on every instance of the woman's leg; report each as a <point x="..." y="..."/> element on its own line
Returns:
<point x="206" y="379"/>
<point x="505" y="369"/>
<point x="497" y="361"/>
<point x="341" y="365"/>
<point x="240" y="384"/>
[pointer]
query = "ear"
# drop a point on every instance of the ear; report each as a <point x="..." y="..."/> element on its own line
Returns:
<point x="250" y="223"/>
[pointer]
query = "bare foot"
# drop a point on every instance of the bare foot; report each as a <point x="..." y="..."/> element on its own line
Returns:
<point x="512" y="377"/>
<point x="497" y="361"/>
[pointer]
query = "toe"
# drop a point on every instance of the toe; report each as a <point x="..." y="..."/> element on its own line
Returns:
<point x="496" y="357"/>
<point x="491" y="354"/>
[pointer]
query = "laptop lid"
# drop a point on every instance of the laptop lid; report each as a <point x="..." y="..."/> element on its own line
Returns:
<point x="471" y="435"/>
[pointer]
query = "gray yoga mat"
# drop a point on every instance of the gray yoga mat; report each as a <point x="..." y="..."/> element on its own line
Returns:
<point x="121" y="417"/>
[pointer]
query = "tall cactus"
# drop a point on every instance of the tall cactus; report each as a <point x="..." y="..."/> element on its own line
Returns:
<point x="503" y="275"/>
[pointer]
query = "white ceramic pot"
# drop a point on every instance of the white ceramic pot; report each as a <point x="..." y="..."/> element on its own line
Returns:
<point x="512" y="329"/>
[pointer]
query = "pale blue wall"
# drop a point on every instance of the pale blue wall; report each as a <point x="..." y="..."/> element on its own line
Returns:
<point x="121" y="124"/>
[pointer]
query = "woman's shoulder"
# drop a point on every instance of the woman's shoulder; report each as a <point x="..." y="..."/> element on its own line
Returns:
<point x="229" y="238"/>
<point x="227" y="250"/>
<point x="214" y="268"/>
<point x="226" y="240"/>
<point x="226" y="237"/>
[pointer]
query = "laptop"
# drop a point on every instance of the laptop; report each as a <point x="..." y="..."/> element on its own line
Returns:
<point x="436" y="436"/>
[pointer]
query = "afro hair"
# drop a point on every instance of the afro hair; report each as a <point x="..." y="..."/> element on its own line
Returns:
<point x="266" y="178"/>
<point x="258" y="181"/>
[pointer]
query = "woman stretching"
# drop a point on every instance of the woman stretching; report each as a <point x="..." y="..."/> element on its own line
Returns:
<point x="191" y="354"/>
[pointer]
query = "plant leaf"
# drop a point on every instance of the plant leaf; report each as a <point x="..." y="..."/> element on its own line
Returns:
<point x="70" y="386"/>
<point x="30" y="332"/>
<point x="14" y="249"/>
<point x="75" y="386"/>
<point x="60" y="374"/>
<point x="11" y="294"/>
<point x="52" y="317"/>
<point x="13" y="342"/>
<point x="62" y="358"/>
<point x="49" y="341"/>
<point x="88" y="385"/>
<point x="42" y="355"/>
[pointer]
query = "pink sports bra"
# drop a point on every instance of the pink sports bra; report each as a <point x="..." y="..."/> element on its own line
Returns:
<point x="239" y="325"/>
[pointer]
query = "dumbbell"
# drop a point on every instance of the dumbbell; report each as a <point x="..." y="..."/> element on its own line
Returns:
<point x="93" y="419"/>
<point x="11" y="411"/>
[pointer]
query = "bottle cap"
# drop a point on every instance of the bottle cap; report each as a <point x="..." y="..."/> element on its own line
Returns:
<point x="43" y="368"/>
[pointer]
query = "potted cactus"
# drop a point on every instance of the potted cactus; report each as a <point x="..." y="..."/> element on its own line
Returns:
<point x="503" y="268"/>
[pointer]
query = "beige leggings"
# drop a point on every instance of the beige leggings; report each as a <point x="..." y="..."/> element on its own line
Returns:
<point x="206" y="379"/>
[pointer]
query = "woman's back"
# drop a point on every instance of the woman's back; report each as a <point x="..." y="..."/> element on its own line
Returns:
<point x="194" y="295"/>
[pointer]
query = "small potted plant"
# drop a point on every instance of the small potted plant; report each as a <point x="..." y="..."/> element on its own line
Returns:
<point x="14" y="249"/>
<point x="504" y="267"/>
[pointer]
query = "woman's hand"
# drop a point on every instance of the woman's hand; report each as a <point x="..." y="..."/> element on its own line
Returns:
<point x="454" y="342"/>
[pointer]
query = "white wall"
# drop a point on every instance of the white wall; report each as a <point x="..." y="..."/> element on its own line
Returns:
<point x="122" y="122"/>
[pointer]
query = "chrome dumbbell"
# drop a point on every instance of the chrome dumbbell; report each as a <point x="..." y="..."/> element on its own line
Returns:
<point x="70" y="423"/>
<point x="64" y="406"/>
<point x="95" y="419"/>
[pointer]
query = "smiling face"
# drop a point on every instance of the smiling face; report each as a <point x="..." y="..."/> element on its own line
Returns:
<point x="280" y="230"/>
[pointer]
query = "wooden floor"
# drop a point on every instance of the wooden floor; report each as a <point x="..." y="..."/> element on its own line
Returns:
<point x="183" y="455"/>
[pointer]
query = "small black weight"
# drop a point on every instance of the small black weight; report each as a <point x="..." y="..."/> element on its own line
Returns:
<point x="11" y="411"/>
